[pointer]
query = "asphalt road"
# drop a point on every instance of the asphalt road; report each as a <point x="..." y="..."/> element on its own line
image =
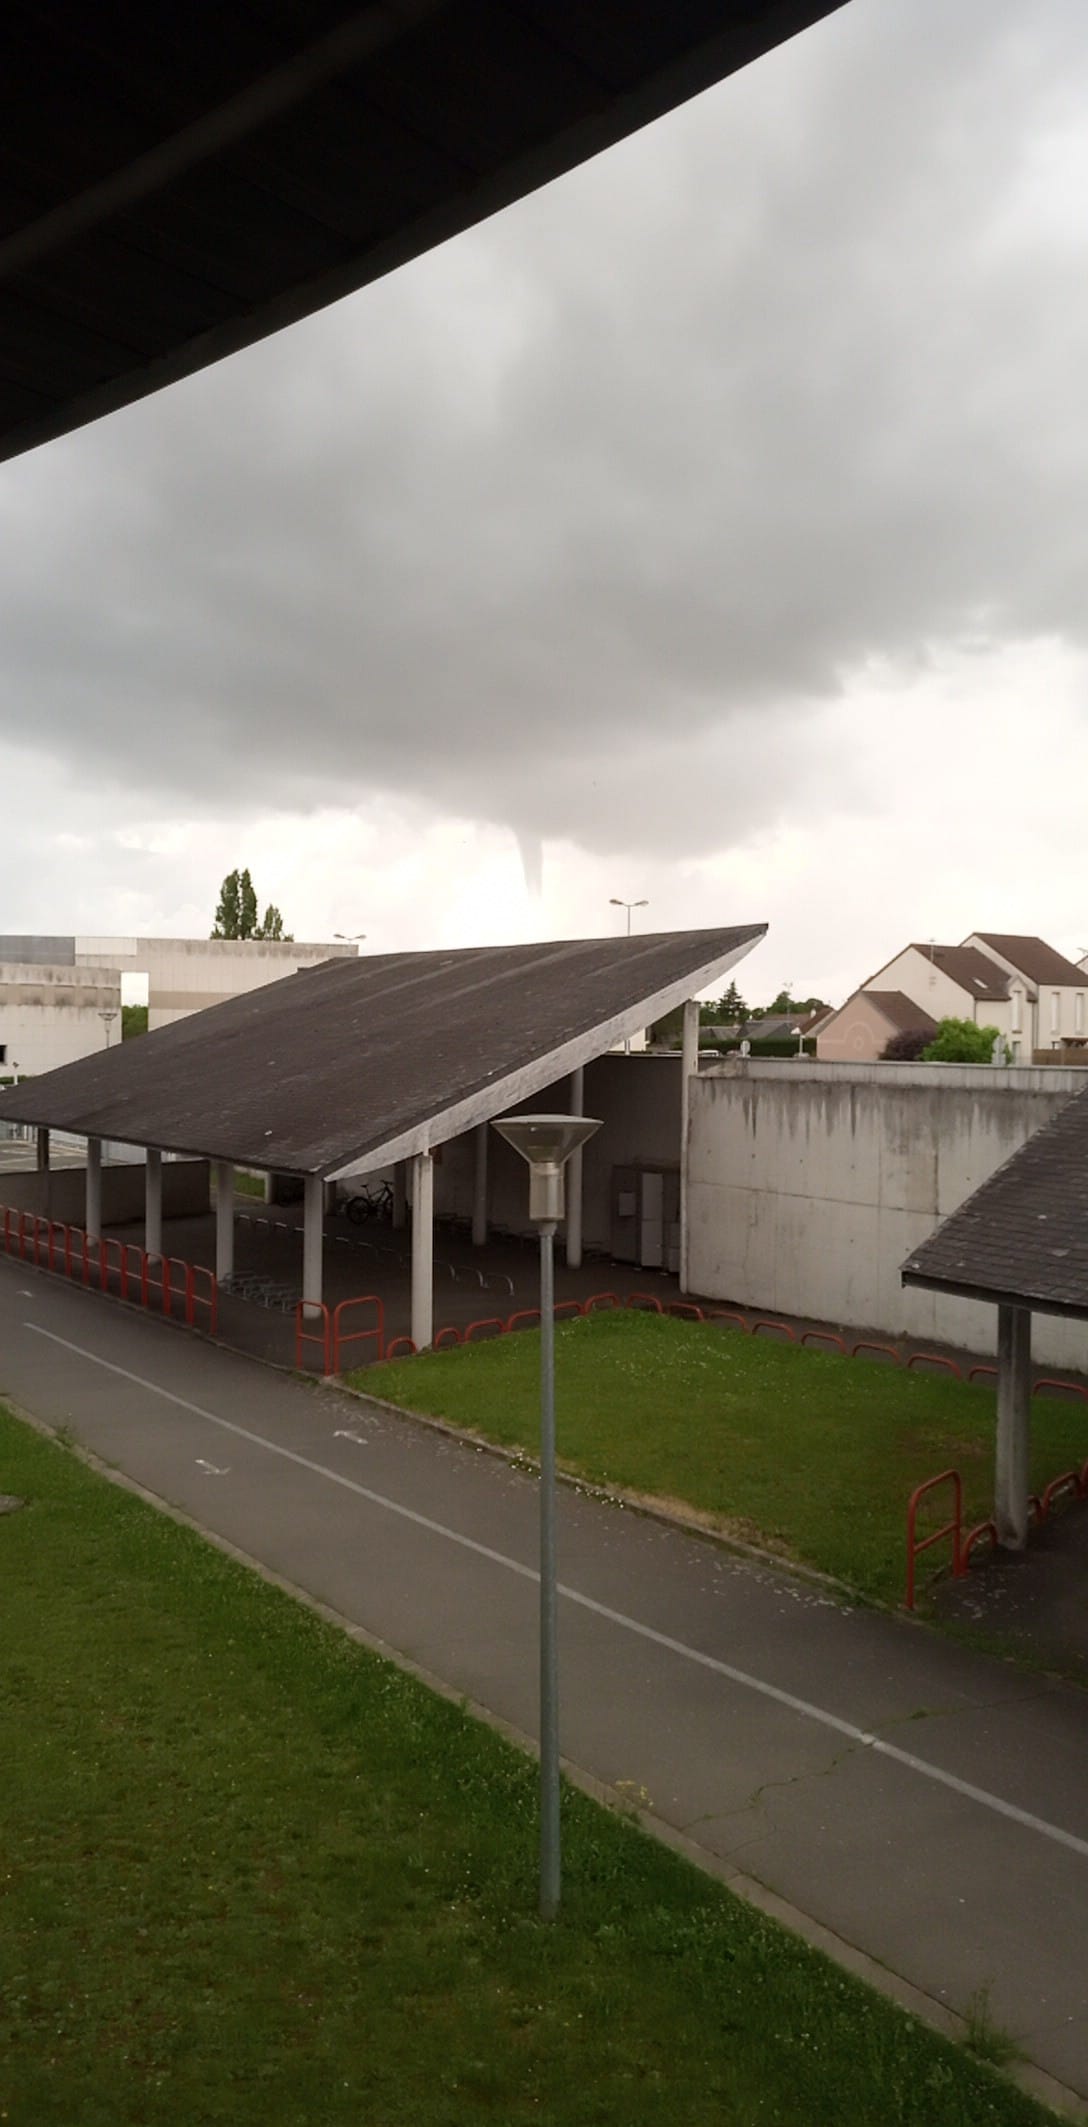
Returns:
<point x="927" y="1805"/>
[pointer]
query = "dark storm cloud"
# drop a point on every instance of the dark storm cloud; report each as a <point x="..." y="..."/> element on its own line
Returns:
<point x="627" y="482"/>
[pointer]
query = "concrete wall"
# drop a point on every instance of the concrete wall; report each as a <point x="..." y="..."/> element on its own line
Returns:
<point x="62" y="1195"/>
<point x="809" y="1185"/>
<point x="637" y="1098"/>
<point x="49" y="1014"/>
<point x="187" y="974"/>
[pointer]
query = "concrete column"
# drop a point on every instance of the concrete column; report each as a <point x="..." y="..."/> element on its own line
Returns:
<point x="1011" y="1481"/>
<point x="92" y="1217"/>
<point x="153" y="1202"/>
<point x="313" y="1240"/>
<point x="400" y="1193"/>
<point x="422" y="1250"/>
<point x="573" y="1231"/>
<point x="689" y="1064"/>
<point x="224" y="1220"/>
<point x="479" y="1188"/>
<point x="270" y="1188"/>
<point x="43" y="1168"/>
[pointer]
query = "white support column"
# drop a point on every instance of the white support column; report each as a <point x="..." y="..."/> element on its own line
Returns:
<point x="400" y="1193"/>
<point x="92" y="1216"/>
<point x="422" y="1250"/>
<point x="1011" y="1479"/>
<point x="224" y="1220"/>
<point x="153" y="1202"/>
<point x="313" y="1241"/>
<point x="689" y="1064"/>
<point x="479" y="1188"/>
<point x="573" y="1230"/>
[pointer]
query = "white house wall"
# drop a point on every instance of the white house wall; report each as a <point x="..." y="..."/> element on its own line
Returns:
<point x="809" y="1185"/>
<point x="925" y="983"/>
<point x="1057" y="1016"/>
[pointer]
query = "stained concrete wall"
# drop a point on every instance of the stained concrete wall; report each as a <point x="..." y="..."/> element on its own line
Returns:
<point x="62" y="1195"/>
<point x="50" y="1014"/>
<point x="188" y="974"/>
<point x="810" y="1184"/>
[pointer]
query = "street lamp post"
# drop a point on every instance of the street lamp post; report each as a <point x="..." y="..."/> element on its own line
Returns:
<point x="546" y="1142"/>
<point x="628" y="905"/>
<point x="350" y="937"/>
<point x="107" y="1019"/>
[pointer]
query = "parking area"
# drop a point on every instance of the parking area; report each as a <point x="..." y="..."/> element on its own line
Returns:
<point x="256" y="1313"/>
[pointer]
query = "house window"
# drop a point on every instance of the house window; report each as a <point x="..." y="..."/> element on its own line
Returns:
<point x="4" y="1047"/>
<point x="1017" y="1011"/>
<point x="1055" y="1010"/>
<point x="1078" y="1013"/>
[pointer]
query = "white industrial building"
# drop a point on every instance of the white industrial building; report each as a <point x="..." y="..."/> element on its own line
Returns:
<point x="60" y="997"/>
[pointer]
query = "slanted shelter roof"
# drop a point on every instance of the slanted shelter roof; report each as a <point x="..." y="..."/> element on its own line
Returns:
<point x="344" y="1067"/>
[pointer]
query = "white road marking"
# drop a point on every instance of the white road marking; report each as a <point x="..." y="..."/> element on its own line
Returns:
<point x="210" y="1469"/>
<point x="804" y="1707"/>
<point x="357" y="1437"/>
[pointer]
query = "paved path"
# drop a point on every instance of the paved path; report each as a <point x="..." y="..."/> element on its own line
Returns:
<point x="927" y="1805"/>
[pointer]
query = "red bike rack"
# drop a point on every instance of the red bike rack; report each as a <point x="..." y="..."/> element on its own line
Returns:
<point x="778" y="1329"/>
<point x="934" y="1359"/>
<point x="644" y="1302"/>
<point x="685" y="1310"/>
<point x="444" y="1337"/>
<point x="600" y="1300"/>
<point x="310" y="1311"/>
<point x="526" y="1318"/>
<point x="401" y="1348"/>
<point x="492" y="1323"/>
<point x="949" y="1528"/>
<point x="824" y="1336"/>
<point x="568" y="1310"/>
<point x="374" y="1333"/>
<point x="206" y="1294"/>
<point x="1068" y="1388"/>
<point x="886" y="1351"/>
<point x="1069" y="1481"/>
<point x="727" y="1314"/>
<point x="975" y="1373"/>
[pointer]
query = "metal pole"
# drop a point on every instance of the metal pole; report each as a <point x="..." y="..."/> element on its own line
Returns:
<point x="549" y="1645"/>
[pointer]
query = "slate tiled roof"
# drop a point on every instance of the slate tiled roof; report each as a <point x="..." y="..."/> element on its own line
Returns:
<point x="1035" y="959"/>
<point x="338" y="1062"/>
<point x="900" y="1011"/>
<point x="973" y="971"/>
<point x="1022" y="1236"/>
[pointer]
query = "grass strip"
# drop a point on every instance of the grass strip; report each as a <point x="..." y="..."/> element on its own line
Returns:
<point x="804" y="1451"/>
<point x="253" y="1874"/>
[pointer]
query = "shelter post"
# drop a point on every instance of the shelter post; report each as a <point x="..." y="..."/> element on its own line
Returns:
<point x="689" y="1064"/>
<point x="92" y="1216"/>
<point x="400" y="1193"/>
<point x="153" y="1202"/>
<point x="44" y="1169"/>
<point x="313" y="1241"/>
<point x="224" y="1221"/>
<point x="573" y="1177"/>
<point x="422" y="1250"/>
<point x="479" y="1188"/>
<point x="1013" y="1426"/>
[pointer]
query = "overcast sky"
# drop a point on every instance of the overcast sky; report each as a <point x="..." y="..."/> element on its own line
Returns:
<point x="709" y="528"/>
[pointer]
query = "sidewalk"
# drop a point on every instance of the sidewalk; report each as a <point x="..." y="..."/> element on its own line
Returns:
<point x="925" y="1805"/>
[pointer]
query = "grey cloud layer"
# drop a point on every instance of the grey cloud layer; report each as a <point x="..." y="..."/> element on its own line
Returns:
<point x="631" y="478"/>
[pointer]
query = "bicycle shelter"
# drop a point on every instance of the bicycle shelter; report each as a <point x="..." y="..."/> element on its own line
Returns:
<point x="372" y="1066"/>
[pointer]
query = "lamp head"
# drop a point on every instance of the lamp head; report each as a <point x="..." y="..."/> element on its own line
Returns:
<point x="545" y="1143"/>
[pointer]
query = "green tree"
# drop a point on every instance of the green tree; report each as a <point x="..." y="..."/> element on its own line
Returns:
<point x="729" y="1010"/>
<point x="961" y="1041"/>
<point x="236" y="915"/>
<point x="133" y="1021"/>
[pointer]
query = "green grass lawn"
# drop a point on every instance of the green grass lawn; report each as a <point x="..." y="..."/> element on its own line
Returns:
<point x="253" y="1875"/>
<point x="804" y="1451"/>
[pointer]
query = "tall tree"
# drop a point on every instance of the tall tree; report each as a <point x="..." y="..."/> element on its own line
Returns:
<point x="236" y="915"/>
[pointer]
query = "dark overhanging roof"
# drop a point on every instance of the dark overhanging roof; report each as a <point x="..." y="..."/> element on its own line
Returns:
<point x="358" y="1062"/>
<point x="175" y="184"/>
<point x="1022" y="1237"/>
